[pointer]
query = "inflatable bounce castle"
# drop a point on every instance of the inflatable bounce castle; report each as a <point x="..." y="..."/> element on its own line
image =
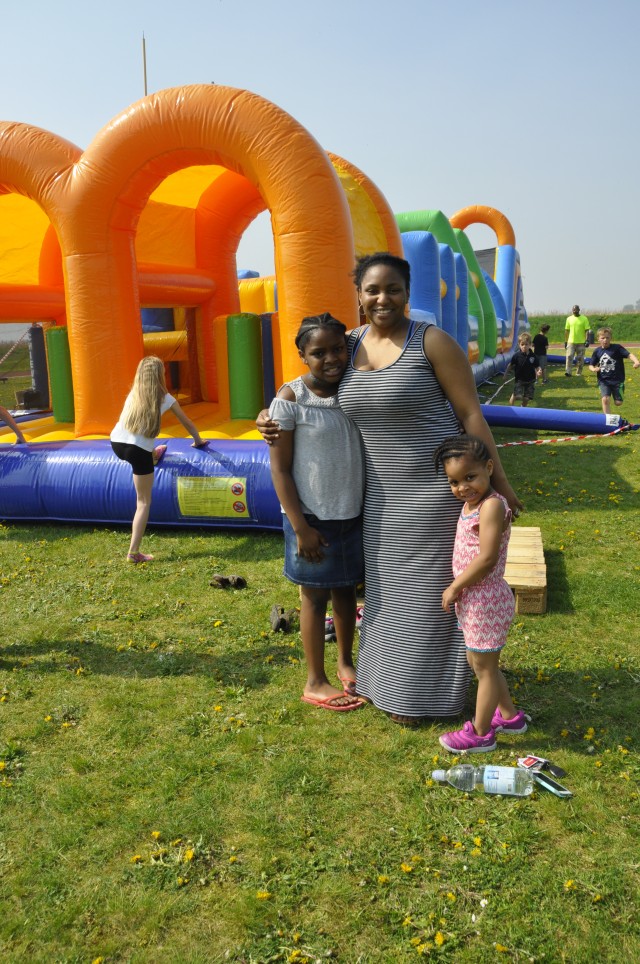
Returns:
<point x="129" y="248"/>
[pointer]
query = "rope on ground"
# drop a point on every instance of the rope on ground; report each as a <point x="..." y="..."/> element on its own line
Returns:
<point x="570" y="438"/>
<point x="13" y="347"/>
<point x="500" y="387"/>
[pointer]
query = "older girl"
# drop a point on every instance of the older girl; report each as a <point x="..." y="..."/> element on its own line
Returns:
<point x="133" y="440"/>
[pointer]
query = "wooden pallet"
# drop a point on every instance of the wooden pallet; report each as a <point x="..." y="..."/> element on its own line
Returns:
<point x="526" y="570"/>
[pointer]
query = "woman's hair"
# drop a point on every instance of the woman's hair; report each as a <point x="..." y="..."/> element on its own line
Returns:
<point x="458" y="446"/>
<point x="142" y="410"/>
<point x="312" y="323"/>
<point x="381" y="257"/>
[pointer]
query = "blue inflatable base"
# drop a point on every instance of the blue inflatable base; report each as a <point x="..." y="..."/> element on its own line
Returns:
<point x="225" y="485"/>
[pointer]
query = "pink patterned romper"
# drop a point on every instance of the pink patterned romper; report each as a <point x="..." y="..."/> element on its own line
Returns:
<point x="485" y="610"/>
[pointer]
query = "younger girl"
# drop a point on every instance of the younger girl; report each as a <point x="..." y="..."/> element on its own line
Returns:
<point x="133" y="438"/>
<point x="317" y="472"/>
<point x="483" y="601"/>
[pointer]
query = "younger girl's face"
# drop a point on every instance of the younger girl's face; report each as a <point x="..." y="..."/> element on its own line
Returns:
<point x="326" y="355"/>
<point x="470" y="480"/>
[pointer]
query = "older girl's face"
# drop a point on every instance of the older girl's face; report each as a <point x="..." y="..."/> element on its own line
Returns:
<point x="384" y="296"/>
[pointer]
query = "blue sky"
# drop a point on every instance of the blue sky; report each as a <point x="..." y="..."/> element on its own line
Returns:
<point x="530" y="108"/>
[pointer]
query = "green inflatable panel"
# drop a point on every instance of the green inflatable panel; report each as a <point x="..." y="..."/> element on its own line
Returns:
<point x="439" y="225"/>
<point x="490" y="344"/>
<point x="244" y="353"/>
<point x="60" y="377"/>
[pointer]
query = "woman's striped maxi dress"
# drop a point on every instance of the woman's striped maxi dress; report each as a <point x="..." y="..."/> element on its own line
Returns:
<point x="412" y="658"/>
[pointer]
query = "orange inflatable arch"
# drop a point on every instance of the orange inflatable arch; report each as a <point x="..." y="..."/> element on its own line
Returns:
<point x="99" y="262"/>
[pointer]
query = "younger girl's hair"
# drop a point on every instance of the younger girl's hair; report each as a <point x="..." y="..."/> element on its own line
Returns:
<point x="312" y="323"/>
<point x="142" y="410"/>
<point x="381" y="257"/>
<point x="458" y="446"/>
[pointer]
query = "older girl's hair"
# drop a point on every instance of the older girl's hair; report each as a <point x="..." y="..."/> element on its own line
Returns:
<point x="141" y="414"/>
<point x="312" y="323"/>
<point x="458" y="446"/>
<point x="381" y="257"/>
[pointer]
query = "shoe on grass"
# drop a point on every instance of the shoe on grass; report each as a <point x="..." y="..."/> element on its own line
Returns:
<point x="467" y="740"/>
<point x="517" y="723"/>
<point x="139" y="557"/>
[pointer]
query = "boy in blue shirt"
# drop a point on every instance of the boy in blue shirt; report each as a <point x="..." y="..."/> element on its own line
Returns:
<point x="608" y="361"/>
<point x="526" y="368"/>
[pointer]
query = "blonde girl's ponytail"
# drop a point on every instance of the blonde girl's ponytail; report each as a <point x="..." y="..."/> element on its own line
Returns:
<point x="142" y="410"/>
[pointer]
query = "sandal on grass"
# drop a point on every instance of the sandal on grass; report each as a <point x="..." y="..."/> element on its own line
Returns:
<point x="224" y="582"/>
<point x="139" y="557"/>
<point x="333" y="703"/>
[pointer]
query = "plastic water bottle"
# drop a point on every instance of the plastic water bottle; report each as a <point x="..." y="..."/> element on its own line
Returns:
<point x="509" y="781"/>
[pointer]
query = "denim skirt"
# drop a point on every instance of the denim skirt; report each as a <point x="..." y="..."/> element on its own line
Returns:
<point x="343" y="563"/>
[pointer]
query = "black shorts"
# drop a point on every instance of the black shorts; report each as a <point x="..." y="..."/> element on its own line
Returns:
<point x="139" y="459"/>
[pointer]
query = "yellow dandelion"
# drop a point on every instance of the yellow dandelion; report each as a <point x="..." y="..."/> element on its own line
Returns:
<point x="407" y="921"/>
<point x="383" y="879"/>
<point x="457" y="845"/>
<point x="570" y="884"/>
<point x="501" y="949"/>
<point x="189" y="855"/>
<point x="3" y="765"/>
<point x="176" y="842"/>
<point x="476" y="852"/>
<point x="156" y="834"/>
<point x="564" y="733"/>
<point x="183" y="881"/>
<point x="415" y="941"/>
<point x="477" y="841"/>
<point x="439" y="939"/>
<point x="218" y="622"/>
<point x="97" y="960"/>
<point x="263" y="895"/>
<point x="450" y="896"/>
<point x="407" y="868"/>
<point x="596" y="898"/>
<point x="233" y="860"/>
<point x="136" y="859"/>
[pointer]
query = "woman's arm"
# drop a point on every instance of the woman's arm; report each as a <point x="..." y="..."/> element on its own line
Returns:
<point x="453" y="371"/>
<point x="13" y="425"/>
<point x="184" y="420"/>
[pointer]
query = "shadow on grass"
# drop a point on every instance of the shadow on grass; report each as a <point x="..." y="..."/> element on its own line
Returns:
<point x="558" y="590"/>
<point x="252" y="667"/>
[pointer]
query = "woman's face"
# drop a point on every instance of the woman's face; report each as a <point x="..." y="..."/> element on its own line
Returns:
<point x="384" y="296"/>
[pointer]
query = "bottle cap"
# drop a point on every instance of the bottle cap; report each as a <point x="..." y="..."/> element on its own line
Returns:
<point x="440" y="775"/>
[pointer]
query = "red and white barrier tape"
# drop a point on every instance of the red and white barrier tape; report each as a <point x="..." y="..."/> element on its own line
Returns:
<point x="570" y="438"/>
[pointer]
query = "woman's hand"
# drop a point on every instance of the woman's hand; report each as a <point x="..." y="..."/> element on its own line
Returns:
<point x="269" y="429"/>
<point x="310" y="544"/>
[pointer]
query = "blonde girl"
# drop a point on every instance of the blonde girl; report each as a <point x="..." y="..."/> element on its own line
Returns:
<point x="133" y="440"/>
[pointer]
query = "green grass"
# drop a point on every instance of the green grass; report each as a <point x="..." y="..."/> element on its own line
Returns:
<point x="139" y="700"/>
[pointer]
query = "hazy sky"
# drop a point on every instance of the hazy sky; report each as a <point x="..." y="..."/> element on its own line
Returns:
<point x="530" y="108"/>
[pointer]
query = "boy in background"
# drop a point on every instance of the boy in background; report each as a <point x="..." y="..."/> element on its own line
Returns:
<point x="608" y="361"/>
<point x="540" y="345"/>
<point x="526" y="369"/>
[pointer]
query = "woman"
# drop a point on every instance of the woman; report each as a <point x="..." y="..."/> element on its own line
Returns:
<point x="407" y="387"/>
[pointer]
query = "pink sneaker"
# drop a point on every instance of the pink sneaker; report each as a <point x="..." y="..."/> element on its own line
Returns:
<point x="138" y="557"/>
<point x="467" y="740"/>
<point x="517" y="723"/>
